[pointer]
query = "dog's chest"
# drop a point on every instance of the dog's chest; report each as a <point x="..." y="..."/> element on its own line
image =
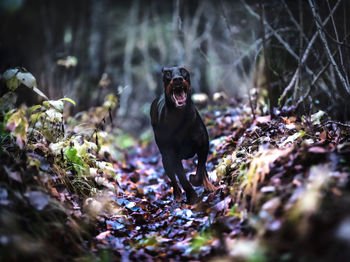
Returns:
<point x="176" y="127"/>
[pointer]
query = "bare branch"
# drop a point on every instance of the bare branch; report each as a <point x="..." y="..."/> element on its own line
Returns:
<point x="339" y="48"/>
<point x="278" y="36"/>
<point x="298" y="26"/>
<point x="265" y="54"/>
<point x="325" y="43"/>
<point x="290" y="85"/>
<point x="302" y="98"/>
<point x="315" y="79"/>
<point x="256" y="45"/>
<point x="307" y="52"/>
<point x="337" y="123"/>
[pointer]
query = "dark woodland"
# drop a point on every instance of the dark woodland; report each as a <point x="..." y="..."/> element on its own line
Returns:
<point x="175" y="130"/>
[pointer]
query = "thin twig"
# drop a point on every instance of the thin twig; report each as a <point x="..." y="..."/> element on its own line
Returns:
<point x="257" y="45"/>
<point x="325" y="43"/>
<point x="278" y="36"/>
<point x="307" y="52"/>
<point x="298" y="26"/>
<point x="301" y="33"/>
<point x="337" y="123"/>
<point x="302" y="98"/>
<point x="339" y="48"/>
<point x="290" y="85"/>
<point x="265" y="55"/>
<point x="335" y="40"/>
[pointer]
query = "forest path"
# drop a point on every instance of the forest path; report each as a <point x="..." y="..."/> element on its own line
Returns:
<point x="152" y="222"/>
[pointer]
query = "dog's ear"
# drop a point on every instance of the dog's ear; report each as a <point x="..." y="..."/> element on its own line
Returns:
<point x="186" y="69"/>
<point x="164" y="69"/>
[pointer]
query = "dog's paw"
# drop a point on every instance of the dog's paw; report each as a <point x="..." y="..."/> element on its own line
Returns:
<point x="177" y="195"/>
<point x="196" y="180"/>
<point x="192" y="199"/>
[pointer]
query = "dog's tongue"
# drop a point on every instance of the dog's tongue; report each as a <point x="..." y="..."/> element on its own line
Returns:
<point x="180" y="98"/>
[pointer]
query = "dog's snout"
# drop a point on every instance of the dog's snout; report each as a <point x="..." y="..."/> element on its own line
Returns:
<point x="177" y="80"/>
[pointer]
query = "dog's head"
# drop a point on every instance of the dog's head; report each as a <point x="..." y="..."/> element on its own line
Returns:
<point x="177" y="85"/>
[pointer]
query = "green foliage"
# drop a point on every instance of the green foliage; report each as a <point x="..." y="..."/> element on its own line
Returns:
<point x="68" y="100"/>
<point x="69" y="61"/>
<point x="148" y="241"/>
<point x="10" y="78"/>
<point x="13" y="78"/>
<point x="233" y="211"/>
<point x="223" y="166"/>
<point x="316" y="118"/>
<point x="124" y="140"/>
<point x="17" y="124"/>
<point x="50" y="157"/>
<point x="200" y="240"/>
<point x="295" y="136"/>
<point x="111" y="101"/>
<point x="71" y="154"/>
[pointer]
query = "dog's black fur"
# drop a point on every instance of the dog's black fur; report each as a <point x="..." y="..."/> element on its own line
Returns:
<point x="180" y="133"/>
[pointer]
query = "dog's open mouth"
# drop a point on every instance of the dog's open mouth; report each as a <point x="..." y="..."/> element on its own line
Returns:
<point x="179" y="96"/>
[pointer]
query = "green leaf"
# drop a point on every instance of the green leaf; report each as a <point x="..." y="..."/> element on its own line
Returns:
<point x="233" y="211"/>
<point x="150" y="241"/>
<point x="56" y="147"/>
<point x="107" y="168"/>
<point x="69" y="61"/>
<point x="68" y="100"/>
<point x="46" y="104"/>
<point x="294" y="137"/>
<point x="9" y="73"/>
<point x="26" y="79"/>
<point x="36" y="117"/>
<point x="111" y="101"/>
<point x="125" y="141"/>
<point x="17" y="124"/>
<point x="53" y="115"/>
<point x="316" y="118"/>
<point x="200" y="240"/>
<point x="57" y="104"/>
<point x="14" y="77"/>
<point x="36" y="90"/>
<point x="71" y="153"/>
<point x="11" y="80"/>
<point x="33" y="108"/>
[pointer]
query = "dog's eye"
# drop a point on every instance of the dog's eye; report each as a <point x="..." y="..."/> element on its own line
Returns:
<point x="168" y="75"/>
<point x="183" y="72"/>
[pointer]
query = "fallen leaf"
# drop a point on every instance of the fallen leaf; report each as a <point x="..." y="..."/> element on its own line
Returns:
<point x="38" y="199"/>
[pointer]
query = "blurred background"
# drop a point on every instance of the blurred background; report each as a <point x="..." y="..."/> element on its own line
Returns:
<point x="87" y="49"/>
<point x="84" y="50"/>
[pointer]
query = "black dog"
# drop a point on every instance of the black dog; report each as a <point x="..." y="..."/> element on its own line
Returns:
<point x="180" y="133"/>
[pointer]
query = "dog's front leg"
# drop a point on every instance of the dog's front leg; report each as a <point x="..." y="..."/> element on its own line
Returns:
<point x="170" y="171"/>
<point x="191" y="195"/>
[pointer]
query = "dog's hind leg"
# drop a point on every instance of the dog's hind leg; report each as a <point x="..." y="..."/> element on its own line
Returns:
<point x="201" y="177"/>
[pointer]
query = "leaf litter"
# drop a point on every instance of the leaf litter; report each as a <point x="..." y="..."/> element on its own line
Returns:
<point x="278" y="182"/>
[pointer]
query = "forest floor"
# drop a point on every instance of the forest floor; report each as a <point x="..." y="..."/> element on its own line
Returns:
<point x="69" y="190"/>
